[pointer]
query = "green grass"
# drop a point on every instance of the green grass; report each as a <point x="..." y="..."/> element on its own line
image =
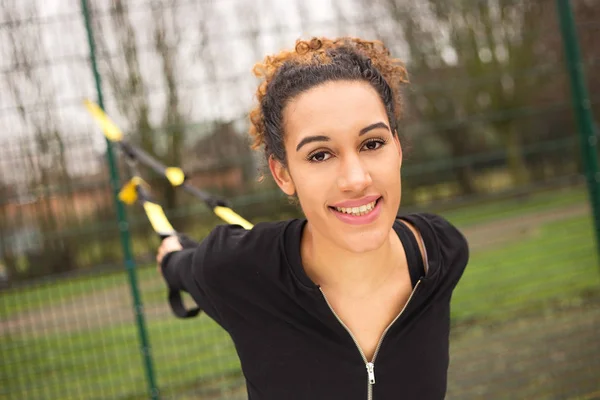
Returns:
<point x="497" y="210"/>
<point x="106" y="363"/>
<point x="52" y="292"/>
<point x="557" y="263"/>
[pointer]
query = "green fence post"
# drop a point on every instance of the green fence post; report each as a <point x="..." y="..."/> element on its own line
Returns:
<point x="123" y="225"/>
<point x="583" y="109"/>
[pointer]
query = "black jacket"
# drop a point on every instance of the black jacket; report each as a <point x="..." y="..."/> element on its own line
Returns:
<point x="290" y="344"/>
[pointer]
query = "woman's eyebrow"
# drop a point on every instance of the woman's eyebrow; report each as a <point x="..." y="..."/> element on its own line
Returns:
<point x="323" y="138"/>
<point x="376" y="125"/>
<point x="310" y="139"/>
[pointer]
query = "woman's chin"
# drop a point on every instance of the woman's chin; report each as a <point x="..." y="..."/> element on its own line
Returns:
<point x="365" y="241"/>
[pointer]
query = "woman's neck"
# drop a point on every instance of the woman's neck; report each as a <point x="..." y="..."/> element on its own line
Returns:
<point x="354" y="274"/>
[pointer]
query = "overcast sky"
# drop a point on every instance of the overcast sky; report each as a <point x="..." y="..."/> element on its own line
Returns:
<point x="68" y="78"/>
<point x="57" y="39"/>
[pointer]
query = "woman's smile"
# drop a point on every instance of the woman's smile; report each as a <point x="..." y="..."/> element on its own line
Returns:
<point x="358" y="212"/>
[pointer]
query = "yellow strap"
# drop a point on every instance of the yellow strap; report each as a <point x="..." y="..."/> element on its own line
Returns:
<point x="229" y="216"/>
<point x="175" y="175"/>
<point x="158" y="219"/>
<point x="128" y="193"/>
<point x="111" y="131"/>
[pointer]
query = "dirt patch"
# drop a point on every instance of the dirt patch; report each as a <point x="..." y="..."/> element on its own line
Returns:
<point x="85" y="312"/>
<point x="496" y="233"/>
<point x="550" y="356"/>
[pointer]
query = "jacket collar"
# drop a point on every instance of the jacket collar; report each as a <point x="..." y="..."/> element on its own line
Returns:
<point x="291" y="241"/>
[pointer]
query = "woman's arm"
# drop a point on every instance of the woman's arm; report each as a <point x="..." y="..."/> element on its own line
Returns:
<point x="181" y="262"/>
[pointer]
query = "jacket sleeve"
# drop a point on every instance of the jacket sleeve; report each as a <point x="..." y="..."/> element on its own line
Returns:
<point x="189" y="270"/>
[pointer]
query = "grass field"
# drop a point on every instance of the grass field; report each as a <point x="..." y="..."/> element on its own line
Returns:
<point x="556" y="263"/>
<point x="465" y="216"/>
<point x="106" y="363"/>
<point x="552" y="263"/>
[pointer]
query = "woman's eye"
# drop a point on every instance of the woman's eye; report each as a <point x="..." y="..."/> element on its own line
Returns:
<point x="319" y="156"/>
<point x="374" y="144"/>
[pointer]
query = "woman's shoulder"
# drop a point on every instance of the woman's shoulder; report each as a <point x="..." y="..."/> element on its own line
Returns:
<point x="444" y="243"/>
<point x="234" y="257"/>
<point x="229" y="243"/>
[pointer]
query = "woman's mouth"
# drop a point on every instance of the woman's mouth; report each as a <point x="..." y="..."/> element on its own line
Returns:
<point x="358" y="211"/>
<point x="363" y="214"/>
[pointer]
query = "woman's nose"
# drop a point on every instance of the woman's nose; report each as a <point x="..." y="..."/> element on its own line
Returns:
<point x="354" y="177"/>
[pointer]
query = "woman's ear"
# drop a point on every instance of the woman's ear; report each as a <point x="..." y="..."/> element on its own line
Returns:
<point x="282" y="176"/>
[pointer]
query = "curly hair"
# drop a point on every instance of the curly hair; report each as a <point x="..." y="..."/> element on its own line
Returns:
<point x="311" y="63"/>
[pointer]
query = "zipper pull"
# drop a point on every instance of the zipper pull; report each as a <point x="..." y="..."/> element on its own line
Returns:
<point x="371" y="372"/>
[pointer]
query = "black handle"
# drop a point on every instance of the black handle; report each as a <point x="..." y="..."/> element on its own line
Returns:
<point x="176" y="303"/>
<point x="174" y="295"/>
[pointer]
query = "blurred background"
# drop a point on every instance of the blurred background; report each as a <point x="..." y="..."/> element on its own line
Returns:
<point x="494" y="144"/>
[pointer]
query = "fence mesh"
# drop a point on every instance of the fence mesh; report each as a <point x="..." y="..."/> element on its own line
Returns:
<point x="491" y="144"/>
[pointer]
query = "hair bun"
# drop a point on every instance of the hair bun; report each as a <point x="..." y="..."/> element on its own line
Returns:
<point x="302" y="47"/>
<point x="315" y="44"/>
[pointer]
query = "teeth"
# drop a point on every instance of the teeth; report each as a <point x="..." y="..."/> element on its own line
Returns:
<point x="358" y="211"/>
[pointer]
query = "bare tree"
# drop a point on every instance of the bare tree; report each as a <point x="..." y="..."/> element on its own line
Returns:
<point x="166" y="41"/>
<point x="123" y="71"/>
<point x="491" y="43"/>
<point x="45" y="149"/>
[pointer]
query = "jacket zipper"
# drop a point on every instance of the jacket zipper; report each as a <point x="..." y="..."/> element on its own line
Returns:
<point x="370" y="365"/>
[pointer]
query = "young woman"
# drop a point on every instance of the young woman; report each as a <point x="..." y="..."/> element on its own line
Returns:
<point x="353" y="301"/>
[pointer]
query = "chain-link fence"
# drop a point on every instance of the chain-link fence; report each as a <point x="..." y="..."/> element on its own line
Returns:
<point x="494" y="143"/>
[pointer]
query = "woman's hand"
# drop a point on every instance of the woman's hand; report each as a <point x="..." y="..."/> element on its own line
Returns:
<point x="168" y="245"/>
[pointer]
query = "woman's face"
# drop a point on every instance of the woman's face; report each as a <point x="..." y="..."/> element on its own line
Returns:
<point x="343" y="162"/>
